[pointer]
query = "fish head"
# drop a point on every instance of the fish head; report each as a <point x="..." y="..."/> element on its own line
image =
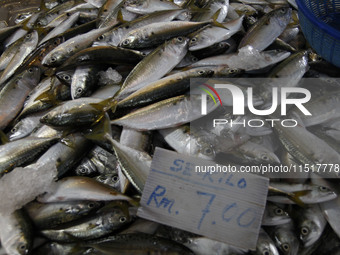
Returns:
<point x="54" y="58"/>
<point x="266" y="248"/>
<point x="86" y="168"/>
<point x="30" y="37"/>
<point x="290" y="248"/>
<point x="17" y="131"/>
<point x="31" y="76"/>
<point x="65" y="77"/>
<point x="322" y="194"/>
<point x="277" y="214"/>
<point x="180" y="40"/>
<point x="78" y="92"/>
<point x="117" y="213"/>
<point x="41" y="22"/>
<point x="283" y="15"/>
<point x="199" y="41"/>
<point x="53" y="118"/>
<point x="129" y="41"/>
<point x="92" y="205"/>
<point x="204" y="71"/>
<point x="267" y="157"/>
<point x="202" y="145"/>
<point x="309" y="232"/>
<point x="19" y="245"/>
<point x="286" y="240"/>
<point x="109" y="179"/>
<point x="178" y="44"/>
<point x="102" y="40"/>
<point x="225" y="71"/>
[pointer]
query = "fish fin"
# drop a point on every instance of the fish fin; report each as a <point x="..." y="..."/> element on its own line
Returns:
<point x="189" y="3"/>
<point x="215" y="22"/>
<point x="120" y="17"/>
<point x="50" y="72"/>
<point x="3" y="137"/>
<point x="105" y="105"/>
<point x="47" y="97"/>
<point x="295" y="19"/>
<point x="24" y="24"/>
<point x="216" y="14"/>
<point x="101" y="132"/>
<point x="42" y="6"/>
<point x="134" y="202"/>
<point x="295" y="197"/>
<point x="42" y="32"/>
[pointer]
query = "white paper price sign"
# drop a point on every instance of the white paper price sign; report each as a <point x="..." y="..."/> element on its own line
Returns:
<point x="227" y="207"/>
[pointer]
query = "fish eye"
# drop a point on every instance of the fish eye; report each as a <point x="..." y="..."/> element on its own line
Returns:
<point x="101" y="37"/>
<point x="126" y="42"/>
<point x="13" y="130"/>
<point x="30" y="70"/>
<point x="22" y="247"/>
<point x="53" y="59"/>
<point x="194" y="39"/>
<point x="180" y="39"/>
<point x="264" y="157"/>
<point x="122" y="219"/>
<point x="285" y="247"/>
<point x="208" y="151"/>
<point x="39" y="23"/>
<point x="91" y="205"/>
<point x="28" y="36"/>
<point x="221" y="44"/>
<point x="115" y="178"/>
<point x="82" y="170"/>
<point x="55" y="43"/>
<point x="232" y="71"/>
<point x="67" y="77"/>
<point x="266" y="252"/>
<point x="201" y="72"/>
<point x="283" y="10"/>
<point x="322" y="188"/>
<point x="278" y="211"/>
<point x="194" y="59"/>
<point x="79" y="90"/>
<point x="304" y="231"/>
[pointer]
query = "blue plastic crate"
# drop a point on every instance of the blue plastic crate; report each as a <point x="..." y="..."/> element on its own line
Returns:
<point x="320" y="23"/>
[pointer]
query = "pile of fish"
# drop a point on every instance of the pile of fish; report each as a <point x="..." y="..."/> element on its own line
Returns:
<point x="93" y="87"/>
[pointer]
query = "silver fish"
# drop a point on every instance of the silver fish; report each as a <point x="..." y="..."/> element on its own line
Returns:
<point x="70" y="47"/>
<point x="310" y="224"/>
<point x="274" y="215"/>
<point x="155" y="65"/>
<point x="212" y="34"/>
<point x="185" y="109"/>
<point x="267" y="29"/>
<point x="27" y="46"/>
